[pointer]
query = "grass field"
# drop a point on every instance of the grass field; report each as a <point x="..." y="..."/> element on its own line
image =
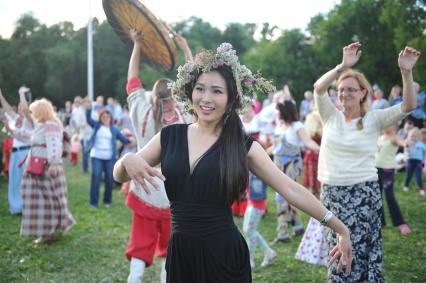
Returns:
<point x="93" y="251"/>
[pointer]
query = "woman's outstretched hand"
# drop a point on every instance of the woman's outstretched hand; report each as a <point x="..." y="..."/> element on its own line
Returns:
<point x="351" y="54"/>
<point x="342" y="252"/>
<point x="407" y="58"/>
<point x="141" y="172"/>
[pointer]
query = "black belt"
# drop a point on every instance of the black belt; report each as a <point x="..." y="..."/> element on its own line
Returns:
<point x="15" y="149"/>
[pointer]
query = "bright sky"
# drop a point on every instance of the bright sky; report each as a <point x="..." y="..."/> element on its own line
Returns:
<point x="286" y="14"/>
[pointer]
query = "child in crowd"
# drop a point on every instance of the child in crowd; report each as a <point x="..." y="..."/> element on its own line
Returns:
<point x="416" y="152"/>
<point x="388" y="144"/>
<point x="403" y="132"/>
<point x="75" y="149"/>
<point x="256" y="207"/>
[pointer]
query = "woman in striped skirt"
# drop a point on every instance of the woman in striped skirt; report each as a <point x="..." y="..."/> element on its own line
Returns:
<point x="44" y="196"/>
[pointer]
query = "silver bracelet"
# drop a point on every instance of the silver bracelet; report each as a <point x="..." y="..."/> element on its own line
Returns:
<point x="327" y="217"/>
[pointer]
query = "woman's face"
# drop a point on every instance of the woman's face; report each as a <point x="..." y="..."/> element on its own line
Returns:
<point x="396" y="92"/>
<point x="350" y="93"/>
<point x="210" y="97"/>
<point x="106" y="119"/>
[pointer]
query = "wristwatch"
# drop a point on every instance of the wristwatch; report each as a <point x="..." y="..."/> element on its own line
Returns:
<point x="327" y="217"/>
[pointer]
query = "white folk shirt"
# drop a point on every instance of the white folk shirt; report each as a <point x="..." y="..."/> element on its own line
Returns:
<point x="142" y="118"/>
<point x="49" y="134"/>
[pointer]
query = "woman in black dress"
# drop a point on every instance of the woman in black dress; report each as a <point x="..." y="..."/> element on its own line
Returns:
<point x="206" y="167"/>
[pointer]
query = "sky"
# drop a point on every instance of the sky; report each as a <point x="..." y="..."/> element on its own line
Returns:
<point x="286" y="14"/>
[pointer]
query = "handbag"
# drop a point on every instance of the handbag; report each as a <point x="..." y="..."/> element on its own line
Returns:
<point x="36" y="165"/>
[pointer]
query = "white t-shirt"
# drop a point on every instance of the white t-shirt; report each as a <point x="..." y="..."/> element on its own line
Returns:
<point x="252" y="126"/>
<point x="290" y="133"/>
<point x="347" y="155"/>
<point x="102" y="148"/>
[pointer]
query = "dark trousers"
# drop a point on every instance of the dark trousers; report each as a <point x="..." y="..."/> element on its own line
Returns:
<point x="100" y="166"/>
<point x="415" y="167"/>
<point x="386" y="181"/>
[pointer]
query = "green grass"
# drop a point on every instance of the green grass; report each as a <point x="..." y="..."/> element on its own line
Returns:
<point x="93" y="250"/>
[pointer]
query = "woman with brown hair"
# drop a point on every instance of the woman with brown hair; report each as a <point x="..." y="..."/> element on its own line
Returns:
<point x="103" y="152"/>
<point x="44" y="188"/>
<point x="350" y="187"/>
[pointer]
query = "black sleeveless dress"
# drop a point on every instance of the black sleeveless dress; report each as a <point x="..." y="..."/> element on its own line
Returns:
<point x="205" y="245"/>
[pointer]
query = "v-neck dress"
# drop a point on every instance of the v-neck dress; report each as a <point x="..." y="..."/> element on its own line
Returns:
<point x="205" y="244"/>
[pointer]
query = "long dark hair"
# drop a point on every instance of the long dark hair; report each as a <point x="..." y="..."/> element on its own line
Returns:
<point x="233" y="153"/>
<point x="288" y="111"/>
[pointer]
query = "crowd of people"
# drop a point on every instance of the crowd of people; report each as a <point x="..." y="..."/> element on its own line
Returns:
<point x="190" y="149"/>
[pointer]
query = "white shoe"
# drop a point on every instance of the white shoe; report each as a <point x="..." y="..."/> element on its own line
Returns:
<point x="422" y="192"/>
<point x="137" y="268"/>
<point x="405" y="189"/>
<point x="270" y="254"/>
<point x="163" y="271"/>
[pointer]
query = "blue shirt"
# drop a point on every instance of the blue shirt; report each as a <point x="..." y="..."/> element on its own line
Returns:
<point x="419" y="112"/>
<point x="396" y="101"/>
<point x="417" y="151"/>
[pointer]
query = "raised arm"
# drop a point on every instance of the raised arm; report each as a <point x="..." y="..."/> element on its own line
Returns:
<point x="351" y="55"/>
<point x="6" y="106"/>
<point x="5" y="122"/>
<point x="183" y="44"/>
<point x="135" y="58"/>
<point x="262" y="166"/>
<point x="92" y="123"/>
<point x="406" y="60"/>
<point x="307" y="141"/>
<point x="139" y="166"/>
<point x="23" y="108"/>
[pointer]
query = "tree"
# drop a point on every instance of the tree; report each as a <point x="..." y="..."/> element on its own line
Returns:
<point x="287" y="60"/>
<point x="240" y="36"/>
<point x="407" y="21"/>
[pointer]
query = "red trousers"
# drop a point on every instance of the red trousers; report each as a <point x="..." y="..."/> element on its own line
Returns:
<point x="150" y="231"/>
<point x="74" y="158"/>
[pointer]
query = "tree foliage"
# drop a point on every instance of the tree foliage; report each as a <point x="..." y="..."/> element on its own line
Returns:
<point x="52" y="60"/>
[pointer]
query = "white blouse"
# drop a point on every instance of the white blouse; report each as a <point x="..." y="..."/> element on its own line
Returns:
<point x="347" y="155"/>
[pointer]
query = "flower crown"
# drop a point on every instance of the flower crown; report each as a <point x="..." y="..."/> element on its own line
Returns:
<point x="247" y="83"/>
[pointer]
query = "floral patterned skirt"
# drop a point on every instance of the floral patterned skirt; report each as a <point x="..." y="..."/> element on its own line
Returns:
<point x="313" y="248"/>
<point x="359" y="208"/>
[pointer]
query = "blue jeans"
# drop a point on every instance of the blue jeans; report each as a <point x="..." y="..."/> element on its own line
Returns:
<point x="85" y="161"/>
<point x="415" y="167"/>
<point x="15" y="178"/>
<point x="100" y="166"/>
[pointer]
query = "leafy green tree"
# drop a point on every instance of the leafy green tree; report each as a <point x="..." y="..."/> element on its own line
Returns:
<point x="240" y="36"/>
<point x="384" y="27"/>
<point x="287" y="60"/>
<point x="407" y="21"/>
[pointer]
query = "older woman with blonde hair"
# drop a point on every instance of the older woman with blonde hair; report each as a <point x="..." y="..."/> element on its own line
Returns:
<point x="346" y="170"/>
<point x="44" y="188"/>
